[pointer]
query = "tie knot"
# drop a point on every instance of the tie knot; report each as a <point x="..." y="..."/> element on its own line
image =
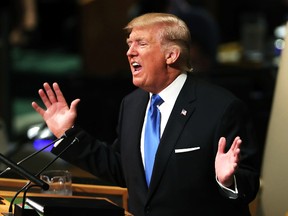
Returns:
<point x="156" y="100"/>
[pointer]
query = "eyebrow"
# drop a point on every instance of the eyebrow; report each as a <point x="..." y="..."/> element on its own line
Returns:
<point x="137" y="39"/>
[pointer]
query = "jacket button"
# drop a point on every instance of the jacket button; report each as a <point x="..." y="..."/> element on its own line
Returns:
<point x="147" y="210"/>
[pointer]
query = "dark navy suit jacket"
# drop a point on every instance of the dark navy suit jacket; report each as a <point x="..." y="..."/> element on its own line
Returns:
<point x="183" y="181"/>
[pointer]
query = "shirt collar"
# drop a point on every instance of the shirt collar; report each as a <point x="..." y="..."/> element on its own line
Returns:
<point x="171" y="92"/>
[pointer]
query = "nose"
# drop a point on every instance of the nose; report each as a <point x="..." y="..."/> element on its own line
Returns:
<point x="131" y="51"/>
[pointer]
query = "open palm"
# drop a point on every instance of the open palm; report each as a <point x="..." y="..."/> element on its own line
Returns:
<point x="57" y="115"/>
<point x="226" y="163"/>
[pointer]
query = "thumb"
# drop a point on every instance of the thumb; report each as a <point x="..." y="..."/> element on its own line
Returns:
<point x="221" y="145"/>
<point x="74" y="104"/>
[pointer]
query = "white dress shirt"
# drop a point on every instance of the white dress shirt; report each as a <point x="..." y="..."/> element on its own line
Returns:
<point x="169" y="96"/>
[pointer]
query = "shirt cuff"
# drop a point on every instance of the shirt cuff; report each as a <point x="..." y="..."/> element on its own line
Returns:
<point x="57" y="142"/>
<point x="65" y="135"/>
<point x="230" y="193"/>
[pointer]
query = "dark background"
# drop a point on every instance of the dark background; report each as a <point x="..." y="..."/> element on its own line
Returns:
<point x="81" y="45"/>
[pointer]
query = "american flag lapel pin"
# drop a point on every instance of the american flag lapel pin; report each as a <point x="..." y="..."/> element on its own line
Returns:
<point x="184" y="112"/>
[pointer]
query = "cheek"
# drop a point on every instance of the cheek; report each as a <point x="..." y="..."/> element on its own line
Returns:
<point x="155" y="62"/>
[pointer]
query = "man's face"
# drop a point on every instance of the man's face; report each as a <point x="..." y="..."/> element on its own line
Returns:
<point x="147" y="59"/>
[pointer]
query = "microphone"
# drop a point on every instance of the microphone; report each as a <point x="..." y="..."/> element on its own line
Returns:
<point x="27" y="186"/>
<point x="77" y="138"/>
<point x="24" y="172"/>
<point x="66" y="134"/>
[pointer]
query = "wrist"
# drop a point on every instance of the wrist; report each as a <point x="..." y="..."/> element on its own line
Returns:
<point x="229" y="183"/>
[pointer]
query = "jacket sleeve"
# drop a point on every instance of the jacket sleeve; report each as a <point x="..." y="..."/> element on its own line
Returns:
<point x="92" y="155"/>
<point x="235" y="122"/>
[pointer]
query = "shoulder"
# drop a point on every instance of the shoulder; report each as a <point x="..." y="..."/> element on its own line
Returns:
<point x="137" y="94"/>
<point x="136" y="99"/>
<point x="208" y="89"/>
<point x="208" y="95"/>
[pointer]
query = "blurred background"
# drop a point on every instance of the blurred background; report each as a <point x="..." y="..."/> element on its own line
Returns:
<point x="81" y="45"/>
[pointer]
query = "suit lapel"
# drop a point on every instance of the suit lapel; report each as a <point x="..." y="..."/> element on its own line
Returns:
<point x="136" y="118"/>
<point x="183" y="109"/>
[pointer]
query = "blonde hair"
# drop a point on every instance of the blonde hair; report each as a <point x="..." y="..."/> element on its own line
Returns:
<point x="174" y="31"/>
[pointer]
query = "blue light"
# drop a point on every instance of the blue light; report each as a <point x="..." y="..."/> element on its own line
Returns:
<point x="41" y="143"/>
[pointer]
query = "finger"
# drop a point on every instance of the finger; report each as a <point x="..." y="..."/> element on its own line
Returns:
<point x="59" y="95"/>
<point x="236" y="143"/>
<point x="44" y="98"/>
<point x="50" y="93"/>
<point x="221" y="145"/>
<point x="237" y="154"/>
<point x="239" y="142"/>
<point x="235" y="165"/>
<point x="74" y="104"/>
<point x="38" y="108"/>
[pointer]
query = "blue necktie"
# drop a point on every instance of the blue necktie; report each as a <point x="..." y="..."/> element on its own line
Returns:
<point x="152" y="135"/>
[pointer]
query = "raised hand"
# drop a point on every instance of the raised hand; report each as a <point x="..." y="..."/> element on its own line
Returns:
<point x="226" y="163"/>
<point x="57" y="115"/>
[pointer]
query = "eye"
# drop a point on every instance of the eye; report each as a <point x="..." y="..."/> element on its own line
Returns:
<point x="142" y="44"/>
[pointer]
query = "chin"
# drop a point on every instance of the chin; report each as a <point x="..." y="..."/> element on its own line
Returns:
<point x="136" y="82"/>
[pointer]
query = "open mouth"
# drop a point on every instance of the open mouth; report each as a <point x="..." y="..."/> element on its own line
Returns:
<point x="136" y="66"/>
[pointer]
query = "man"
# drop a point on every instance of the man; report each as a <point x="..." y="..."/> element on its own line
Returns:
<point x="202" y="26"/>
<point x="198" y="168"/>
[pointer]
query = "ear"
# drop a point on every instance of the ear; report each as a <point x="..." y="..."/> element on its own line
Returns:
<point x="172" y="54"/>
